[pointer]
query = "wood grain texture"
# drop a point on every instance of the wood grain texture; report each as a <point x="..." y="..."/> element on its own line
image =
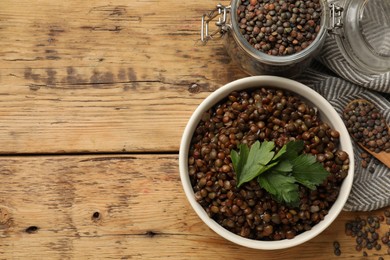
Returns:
<point x="111" y="77"/>
<point x="123" y="207"/>
<point x="98" y="76"/>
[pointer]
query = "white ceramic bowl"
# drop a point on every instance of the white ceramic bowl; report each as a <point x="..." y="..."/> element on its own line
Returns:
<point x="327" y="113"/>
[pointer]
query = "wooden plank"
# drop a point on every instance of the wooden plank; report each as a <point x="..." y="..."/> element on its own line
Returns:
<point x="123" y="207"/>
<point x="112" y="119"/>
<point x="98" y="76"/>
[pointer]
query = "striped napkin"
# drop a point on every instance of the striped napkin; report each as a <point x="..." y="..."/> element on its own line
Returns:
<point x="370" y="190"/>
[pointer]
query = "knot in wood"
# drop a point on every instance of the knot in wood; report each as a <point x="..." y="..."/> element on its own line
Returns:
<point x="5" y="217"/>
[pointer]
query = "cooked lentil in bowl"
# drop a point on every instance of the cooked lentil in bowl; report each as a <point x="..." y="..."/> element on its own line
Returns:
<point x="244" y="117"/>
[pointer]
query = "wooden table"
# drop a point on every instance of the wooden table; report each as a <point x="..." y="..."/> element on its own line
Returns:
<point x="94" y="97"/>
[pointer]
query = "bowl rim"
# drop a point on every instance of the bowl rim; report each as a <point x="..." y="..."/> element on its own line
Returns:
<point x="307" y="94"/>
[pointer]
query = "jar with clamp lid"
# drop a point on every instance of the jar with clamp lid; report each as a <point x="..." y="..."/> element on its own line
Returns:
<point x="282" y="37"/>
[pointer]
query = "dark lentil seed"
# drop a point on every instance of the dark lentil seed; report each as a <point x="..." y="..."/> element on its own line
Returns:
<point x="364" y="164"/>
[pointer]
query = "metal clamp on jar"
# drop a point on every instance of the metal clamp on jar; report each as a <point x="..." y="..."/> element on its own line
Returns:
<point x="277" y="46"/>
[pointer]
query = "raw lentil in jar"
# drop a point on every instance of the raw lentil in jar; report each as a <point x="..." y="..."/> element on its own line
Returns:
<point x="243" y="118"/>
<point x="279" y="27"/>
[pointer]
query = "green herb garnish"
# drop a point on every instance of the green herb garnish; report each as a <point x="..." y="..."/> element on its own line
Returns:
<point x="278" y="173"/>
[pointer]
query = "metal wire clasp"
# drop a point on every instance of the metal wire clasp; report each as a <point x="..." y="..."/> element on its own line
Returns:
<point x="336" y="18"/>
<point x="221" y="11"/>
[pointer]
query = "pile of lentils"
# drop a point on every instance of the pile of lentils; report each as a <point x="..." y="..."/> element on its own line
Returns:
<point x="366" y="232"/>
<point x="279" y="27"/>
<point x="367" y="126"/>
<point x="243" y="118"/>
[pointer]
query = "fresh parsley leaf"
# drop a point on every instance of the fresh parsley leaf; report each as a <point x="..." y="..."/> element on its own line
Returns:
<point x="250" y="164"/>
<point x="239" y="159"/>
<point x="281" y="186"/>
<point x="293" y="149"/>
<point x="307" y="171"/>
<point x="280" y="153"/>
<point x="235" y="159"/>
<point x="280" y="173"/>
<point x="283" y="166"/>
<point x="262" y="152"/>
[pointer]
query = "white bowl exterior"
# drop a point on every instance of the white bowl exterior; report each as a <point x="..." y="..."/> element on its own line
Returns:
<point x="330" y="117"/>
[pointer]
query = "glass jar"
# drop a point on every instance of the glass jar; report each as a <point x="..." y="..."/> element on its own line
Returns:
<point x="364" y="37"/>
<point x="346" y="20"/>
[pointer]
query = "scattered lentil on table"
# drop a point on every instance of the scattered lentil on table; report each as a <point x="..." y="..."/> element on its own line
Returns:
<point x="262" y="114"/>
<point x="365" y="231"/>
<point x="279" y="27"/>
<point x="337" y="250"/>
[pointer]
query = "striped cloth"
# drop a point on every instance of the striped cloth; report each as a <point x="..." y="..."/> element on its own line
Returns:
<point x="370" y="191"/>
